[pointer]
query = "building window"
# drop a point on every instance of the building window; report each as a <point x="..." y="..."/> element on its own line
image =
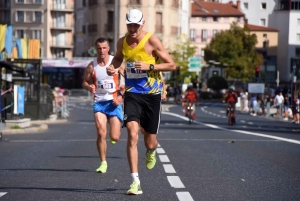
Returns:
<point x="37" y="34"/>
<point x="193" y="34"/>
<point x="215" y="19"/>
<point x="297" y="51"/>
<point x="204" y="35"/>
<point x="263" y="6"/>
<point x="58" y="53"/>
<point x="215" y="32"/>
<point x="263" y="22"/>
<point x="265" y="36"/>
<point x="298" y="21"/>
<point x="159" y="2"/>
<point x="19" y="33"/>
<point x="135" y="2"/>
<point x="245" y="6"/>
<point x="298" y="37"/>
<point x="159" y="22"/>
<point x="204" y="19"/>
<point x="93" y="2"/>
<point x="38" y="1"/>
<point x="20" y="16"/>
<point x="202" y="52"/>
<point x="20" y="1"/>
<point x="38" y="16"/>
<point x="295" y="5"/>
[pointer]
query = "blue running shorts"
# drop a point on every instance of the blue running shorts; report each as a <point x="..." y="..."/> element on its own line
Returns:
<point x="106" y="107"/>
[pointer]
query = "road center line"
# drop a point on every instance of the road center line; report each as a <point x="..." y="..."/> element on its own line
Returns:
<point x="175" y="182"/>
<point x="160" y="150"/>
<point x="2" y="193"/>
<point x="184" y="196"/>
<point x="164" y="158"/>
<point x="237" y="131"/>
<point x="169" y="168"/>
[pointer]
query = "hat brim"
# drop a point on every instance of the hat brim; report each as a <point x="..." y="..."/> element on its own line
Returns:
<point x="132" y="22"/>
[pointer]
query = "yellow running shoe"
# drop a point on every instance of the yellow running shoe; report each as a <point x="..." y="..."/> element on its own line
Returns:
<point x="135" y="189"/>
<point x="112" y="141"/>
<point x="150" y="159"/>
<point x="102" y="168"/>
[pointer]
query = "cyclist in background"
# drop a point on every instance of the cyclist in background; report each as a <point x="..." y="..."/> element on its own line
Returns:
<point x="231" y="99"/>
<point x="190" y="95"/>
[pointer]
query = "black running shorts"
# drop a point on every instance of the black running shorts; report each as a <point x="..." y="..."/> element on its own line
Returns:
<point x="144" y="109"/>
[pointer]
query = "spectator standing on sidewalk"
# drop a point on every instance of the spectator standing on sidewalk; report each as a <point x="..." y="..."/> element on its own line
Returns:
<point x="253" y="105"/>
<point x="295" y="110"/>
<point x="263" y="103"/>
<point x="278" y="101"/>
<point x="286" y="105"/>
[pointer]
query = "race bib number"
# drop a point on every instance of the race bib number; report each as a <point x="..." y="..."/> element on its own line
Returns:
<point x="105" y="86"/>
<point x="133" y="73"/>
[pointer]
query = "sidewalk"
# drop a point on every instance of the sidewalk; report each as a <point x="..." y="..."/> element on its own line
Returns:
<point x="36" y="126"/>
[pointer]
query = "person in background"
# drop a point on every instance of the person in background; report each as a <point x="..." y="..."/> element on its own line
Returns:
<point x="286" y="105"/>
<point x="231" y="99"/>
<point x="295" y="110"/>
<point x="190" y="95"/>
<point x="278" y="101"/>
<point x="107" y="99"/>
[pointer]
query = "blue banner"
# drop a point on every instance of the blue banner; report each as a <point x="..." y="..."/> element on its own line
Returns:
<point x="20" y="100"/>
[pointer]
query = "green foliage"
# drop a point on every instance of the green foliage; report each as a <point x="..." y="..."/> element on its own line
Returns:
<point x="183" y="50"/>
<point x="216" y="83"/>
<point x="15" y="127"/>
<point x="236" y="48"/>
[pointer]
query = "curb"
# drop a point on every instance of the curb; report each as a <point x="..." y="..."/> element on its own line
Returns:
<point x="42" y="125"/>
<point x="25" y="130"/>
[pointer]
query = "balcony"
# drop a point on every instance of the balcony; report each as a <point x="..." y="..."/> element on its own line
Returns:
<point x="61" y="44"/>
<point x="62" y="7"/>
<point x="159" y="29"/>
<point x="62" y="26"/>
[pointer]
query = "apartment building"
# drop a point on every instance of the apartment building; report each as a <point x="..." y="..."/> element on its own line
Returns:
<point x="51" y="21"/>
<point x="267" y="46"/>
<point x="208" y="18"/>
<point x="95" y="18"/>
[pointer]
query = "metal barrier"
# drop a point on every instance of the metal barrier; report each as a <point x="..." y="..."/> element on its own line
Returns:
<point x="61" y="107"/>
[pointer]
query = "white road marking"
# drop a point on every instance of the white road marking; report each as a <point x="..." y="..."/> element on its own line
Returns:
<point x="243" y="121"/>
<point x="237" y="131"/>
<point x="250" y="123"/>
<point x="175" y="182"/>
<point x="243" y="179"/>
<point x="2" y="193"/>
<point x="222" y="111"/>
<point x="169" y="168"/>
<point x="158" y="145"/>
<point x="184" y="196"/>
<point x="160" y="151"/>
<point x="164" y="158"/>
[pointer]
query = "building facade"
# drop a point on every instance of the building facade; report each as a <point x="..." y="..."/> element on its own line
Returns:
<point x="161" y="18"/>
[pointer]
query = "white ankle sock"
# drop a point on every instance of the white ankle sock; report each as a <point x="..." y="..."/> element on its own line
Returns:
<point x="135" y="177"/>
<point x="103" y="162"/>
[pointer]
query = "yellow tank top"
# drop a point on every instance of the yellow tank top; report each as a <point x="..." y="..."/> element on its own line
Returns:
<point x="137" y="81"/>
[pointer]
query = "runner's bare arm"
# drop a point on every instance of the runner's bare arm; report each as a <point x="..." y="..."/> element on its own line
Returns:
<point x="87" y="77"/>
<point x="118" y="58"/>
<point x="159" y="50"/>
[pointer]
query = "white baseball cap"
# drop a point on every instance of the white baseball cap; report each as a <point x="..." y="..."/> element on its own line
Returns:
<point x="134" y="16"/>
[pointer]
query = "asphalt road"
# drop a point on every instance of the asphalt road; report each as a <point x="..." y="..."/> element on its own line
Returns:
<point x="256" y="159"/>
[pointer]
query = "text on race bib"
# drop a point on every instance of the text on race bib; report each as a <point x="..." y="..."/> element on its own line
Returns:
<point x="133" y="73"/>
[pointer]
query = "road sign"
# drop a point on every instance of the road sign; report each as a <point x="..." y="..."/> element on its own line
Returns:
<point x="194" y="59"/>
<point x="194" y="62"/>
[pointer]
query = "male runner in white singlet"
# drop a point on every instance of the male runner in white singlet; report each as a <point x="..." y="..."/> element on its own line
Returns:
<point x="107" y="98"/>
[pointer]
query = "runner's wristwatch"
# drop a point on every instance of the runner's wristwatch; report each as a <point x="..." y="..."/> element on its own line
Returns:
<point x="151" y="67"/>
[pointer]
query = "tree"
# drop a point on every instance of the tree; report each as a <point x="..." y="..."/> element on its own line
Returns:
<point x="235" y="48"/>
<point x="183" y="50"/>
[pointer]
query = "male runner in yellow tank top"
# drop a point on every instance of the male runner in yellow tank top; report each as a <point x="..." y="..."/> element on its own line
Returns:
<point x="143" y="88"/>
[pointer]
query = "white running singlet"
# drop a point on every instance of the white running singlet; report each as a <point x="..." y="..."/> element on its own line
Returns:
<point x="106" y="86"/>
